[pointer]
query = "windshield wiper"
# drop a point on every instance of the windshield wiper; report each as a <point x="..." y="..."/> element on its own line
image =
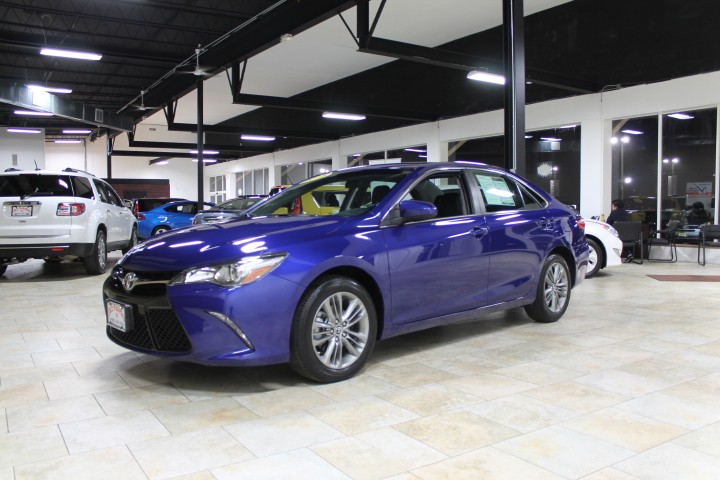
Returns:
<point x="26" y="195"/>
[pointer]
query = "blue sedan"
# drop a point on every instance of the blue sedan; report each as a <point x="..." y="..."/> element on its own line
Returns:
<point x="411" y="246"/>
<point x="167" y="217"/>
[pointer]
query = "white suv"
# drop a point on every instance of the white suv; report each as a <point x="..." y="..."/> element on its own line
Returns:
<point x="61" y="215"/>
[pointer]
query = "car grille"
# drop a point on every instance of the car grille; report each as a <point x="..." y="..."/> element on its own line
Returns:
<point x="156" y="327"/>
<point x="159" y="330"/>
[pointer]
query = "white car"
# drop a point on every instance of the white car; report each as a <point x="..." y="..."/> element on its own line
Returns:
<point x="605" y="246"/>
<point x="61" y="216"/>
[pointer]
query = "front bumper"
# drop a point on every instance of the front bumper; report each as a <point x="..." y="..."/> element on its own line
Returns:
<point x="182" y="321"/>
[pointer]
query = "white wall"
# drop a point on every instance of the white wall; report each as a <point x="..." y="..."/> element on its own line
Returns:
<point x="28" y="148"/>
<point x="91" y="157"/>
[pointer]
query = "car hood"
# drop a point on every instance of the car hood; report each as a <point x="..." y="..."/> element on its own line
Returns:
<point x="219" y="242"/>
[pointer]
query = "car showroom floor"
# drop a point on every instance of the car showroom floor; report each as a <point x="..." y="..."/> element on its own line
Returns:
<point x="625" y="386"/>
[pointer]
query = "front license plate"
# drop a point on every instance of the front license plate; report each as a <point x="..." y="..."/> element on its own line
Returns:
<point x="119" y="315"/>
<point x="21" y="211"/>
<point x="682" y="234"/>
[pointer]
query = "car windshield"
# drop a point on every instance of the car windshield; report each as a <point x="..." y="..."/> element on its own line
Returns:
<point x="349" y="193"/>
<point x="239" y="203"/>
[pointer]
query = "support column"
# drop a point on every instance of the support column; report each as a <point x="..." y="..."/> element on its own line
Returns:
<point x="514" y="62"/>
<point x="200" y="145"/>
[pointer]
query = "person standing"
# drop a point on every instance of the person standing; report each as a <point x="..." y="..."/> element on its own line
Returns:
<point x="618" y="212"/>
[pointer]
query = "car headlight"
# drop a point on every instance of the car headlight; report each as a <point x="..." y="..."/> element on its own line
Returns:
<point x="235" y="274"/>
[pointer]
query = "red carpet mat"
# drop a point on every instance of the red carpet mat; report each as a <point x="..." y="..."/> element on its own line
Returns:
<point x="686" y="278"/>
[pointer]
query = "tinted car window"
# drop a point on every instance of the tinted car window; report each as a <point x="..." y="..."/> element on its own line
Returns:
<point x="35" y="185"/>
<point x="82" y="187"/>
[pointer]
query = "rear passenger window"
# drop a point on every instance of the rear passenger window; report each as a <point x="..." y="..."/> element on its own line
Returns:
<point x="502" y="193"/>
<point x="82" y="187"/>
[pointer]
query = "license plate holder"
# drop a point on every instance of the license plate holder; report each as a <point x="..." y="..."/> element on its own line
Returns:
<point x="21" y="211"/>
<point x="119" y="315"/>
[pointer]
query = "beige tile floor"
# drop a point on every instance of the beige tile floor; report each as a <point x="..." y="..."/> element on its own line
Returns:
<point x="625" y="386"/>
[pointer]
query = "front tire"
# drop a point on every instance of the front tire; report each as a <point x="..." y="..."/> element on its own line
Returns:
<point x="595" y="259"/>
<point x="553" y="291"/>
<point x="3" y="268"/>
<point x="96" y="262"/>
<point x="334" y="330"/>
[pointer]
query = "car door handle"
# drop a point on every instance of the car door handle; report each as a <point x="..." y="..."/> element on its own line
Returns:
<point x="480" y="232"/>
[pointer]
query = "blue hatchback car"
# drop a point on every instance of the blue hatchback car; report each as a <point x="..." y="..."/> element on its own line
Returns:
<point x="410" y="246"/>
<point x="166" y="217"/>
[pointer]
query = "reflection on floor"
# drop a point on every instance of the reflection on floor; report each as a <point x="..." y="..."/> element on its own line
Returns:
<point x="625" y="386"/>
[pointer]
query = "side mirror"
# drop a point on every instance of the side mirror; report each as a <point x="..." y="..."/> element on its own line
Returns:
<point x="128" y="203"/>
<point x="411" y="211"/>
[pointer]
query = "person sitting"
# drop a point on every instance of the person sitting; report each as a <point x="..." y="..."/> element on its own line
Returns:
<point x="618" y="212"/>
<point x="698" y="215"/>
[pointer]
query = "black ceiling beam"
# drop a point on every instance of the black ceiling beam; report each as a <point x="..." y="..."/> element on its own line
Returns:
<point x="193" y="146"/>
<point x="301" y="104"/>
<point x="461" y="61"/>
<point x="227" y="129"/>
<point x="155" y="154"/>
<point x="23" y="97"/>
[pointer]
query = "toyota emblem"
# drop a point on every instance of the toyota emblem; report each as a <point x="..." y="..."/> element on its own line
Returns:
<point x="128" y="282"/>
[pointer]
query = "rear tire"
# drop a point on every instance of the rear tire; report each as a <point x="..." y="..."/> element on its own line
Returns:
<point x="160" y="229"/>
<point x="595" y="259"/>
<point x="334" y="330"/>
<point x="3" y="268"/>
<point x="96" y="262"/>
<point x="553" y="291"/>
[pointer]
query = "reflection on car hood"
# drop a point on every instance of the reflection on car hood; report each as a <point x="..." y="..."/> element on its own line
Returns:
<point x="219" y="242"/>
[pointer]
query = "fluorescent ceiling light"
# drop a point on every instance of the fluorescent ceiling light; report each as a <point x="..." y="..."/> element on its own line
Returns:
<point x="49" y="89"/>
<point x="551" y="139"/>
<point x="33" y="112"/>
<point x="483" y="76"/>
<point x="343" y="116"/>
<point x="632" y="132"/>
<point x="23" y="130"/>
<point x="257" y="138"/>
<point x="164" y="162"/>
<point x="206" y="160"/>
<point x="56" y="52"/>
<point x="68" y="140"/>
<point x="206" y="152"/>
<point x="416" y="150"/>
<point x="78" y="131"/>
<point x="680" y="116"/>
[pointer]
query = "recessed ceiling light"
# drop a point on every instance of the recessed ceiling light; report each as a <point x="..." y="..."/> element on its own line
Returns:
<point x="257" y="138"/>
<point x="48" y="89"/>
<point x="23" y="130"/>
<point x="487" y="77"/>
<point x="343" y="116"/>
<point x="57" y="52"/>
<point x="680" y="116"/>
<point x="206" y="152"/>
<point x="33" y="112"/>
<point x="77" y="131"/>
